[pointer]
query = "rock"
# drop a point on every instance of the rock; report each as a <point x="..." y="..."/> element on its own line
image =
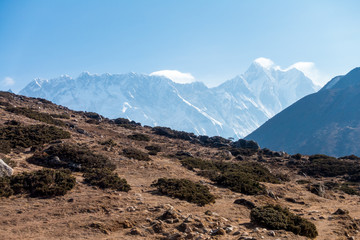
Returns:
<point x="208" y="212"/>
<point x="169" y="214"/>
<point x="131" y="209"/>
<point x="188" y="219"/>
<point x="271" y="233"/>
<point x="5" y="170"/>
<point x="158" y="226"/>
<point x="184" y="227"/>
<point x="271" y="194"/>
<point x="81" y="131"/>
<point x="341" y="212"/>
<point x="246" y="203"/>
<point x="175" y="236"/>
<point x="127" y="224"/>
<point x="135" y="231"/>
<point x="218" y="232"/>
<point x="318" y="189"/>
<point x="229" y="229"/>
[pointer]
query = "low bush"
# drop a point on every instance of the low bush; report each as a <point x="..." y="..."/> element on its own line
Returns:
<point x="104" y="178"/>
<point x="108" y="142"/>
<point x="324" y="166"/>
<point x="62" y="115"/>
<point x="136" y="154"/>
<point x="43" y="117"/>
<point x="153" y="149"/>
<point x="126" y="123"/>
<point x="42" y="183"/>
<point x="5" y="187"/>
<point x="72" y="157"/>
<point x="297" y="156"/>
<point x="349" y="189"/>
<point x="240" y="182"/>
<point x="303" y="181"/>
<point x="239" y="177"/>
<point x="139" y="137"/>
<point x="185" y="190"/>
<point x="27" y="136"/>
<point x="278" y="218"/>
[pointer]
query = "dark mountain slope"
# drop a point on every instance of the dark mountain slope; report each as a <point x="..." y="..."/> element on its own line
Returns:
<point x="326" y="122"/>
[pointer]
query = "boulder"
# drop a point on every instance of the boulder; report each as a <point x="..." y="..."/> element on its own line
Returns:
<point x="5" y="170"/>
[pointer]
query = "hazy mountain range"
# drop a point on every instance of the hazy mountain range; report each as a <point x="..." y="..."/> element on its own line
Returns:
<point x="233" y="109"/>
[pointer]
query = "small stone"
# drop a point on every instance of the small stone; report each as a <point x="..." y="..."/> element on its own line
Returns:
<point x="135" y="231"/>
<point x="131" y="209"/>
<point x="271" y="233"/>
<point x="218" y="231"/>
<point x="208" y="212"/>
<point x="229" y="229"/>
<point x="341" y="212"/>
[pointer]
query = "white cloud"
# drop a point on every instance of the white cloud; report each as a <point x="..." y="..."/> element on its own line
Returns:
<point x="310" y="70"/>
<point x="175" y="76"/>
<point x="7" y="81"/>
<point x="265" y="62"/>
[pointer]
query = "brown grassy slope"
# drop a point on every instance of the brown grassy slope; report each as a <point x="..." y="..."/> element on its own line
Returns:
<point x="91" y="213"/>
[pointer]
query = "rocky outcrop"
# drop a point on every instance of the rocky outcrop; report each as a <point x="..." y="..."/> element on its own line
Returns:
<point x="5" y="170"/>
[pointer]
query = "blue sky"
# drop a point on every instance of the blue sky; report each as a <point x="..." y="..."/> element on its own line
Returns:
<point x="211" y="40"/>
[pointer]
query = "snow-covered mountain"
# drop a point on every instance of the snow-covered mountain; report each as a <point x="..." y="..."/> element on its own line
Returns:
<point x="233" y="109"/>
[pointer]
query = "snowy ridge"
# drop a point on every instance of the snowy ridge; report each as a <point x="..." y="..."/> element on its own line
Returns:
<point x="233" y="109"/>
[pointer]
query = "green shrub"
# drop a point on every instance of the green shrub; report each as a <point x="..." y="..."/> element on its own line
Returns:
<point x="42" y="183"/>
<point x="239" y="182"/>
<point x="136" y="154"/>
<point x="104" y="178"/>
<point x="5" y="146"/>
<point x="153" y="149"/>
<point x="72" y="157"/>
<point x="5" y="187"/>
<point x="324" y="166"/>
<point x="43" y="117"/>
<point x="302" y="181"/>
<point x="139" y="137"/>
<point x="108" y="142"/>
<point x="239" y="177"/>
<point x="277" y="218"/>
<point x="185" y="190"/>
<point x="297" y="156"/>
<point x="62" y="115"/>
<point x="27" y="136"/>
<point x="346" y="188"/>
